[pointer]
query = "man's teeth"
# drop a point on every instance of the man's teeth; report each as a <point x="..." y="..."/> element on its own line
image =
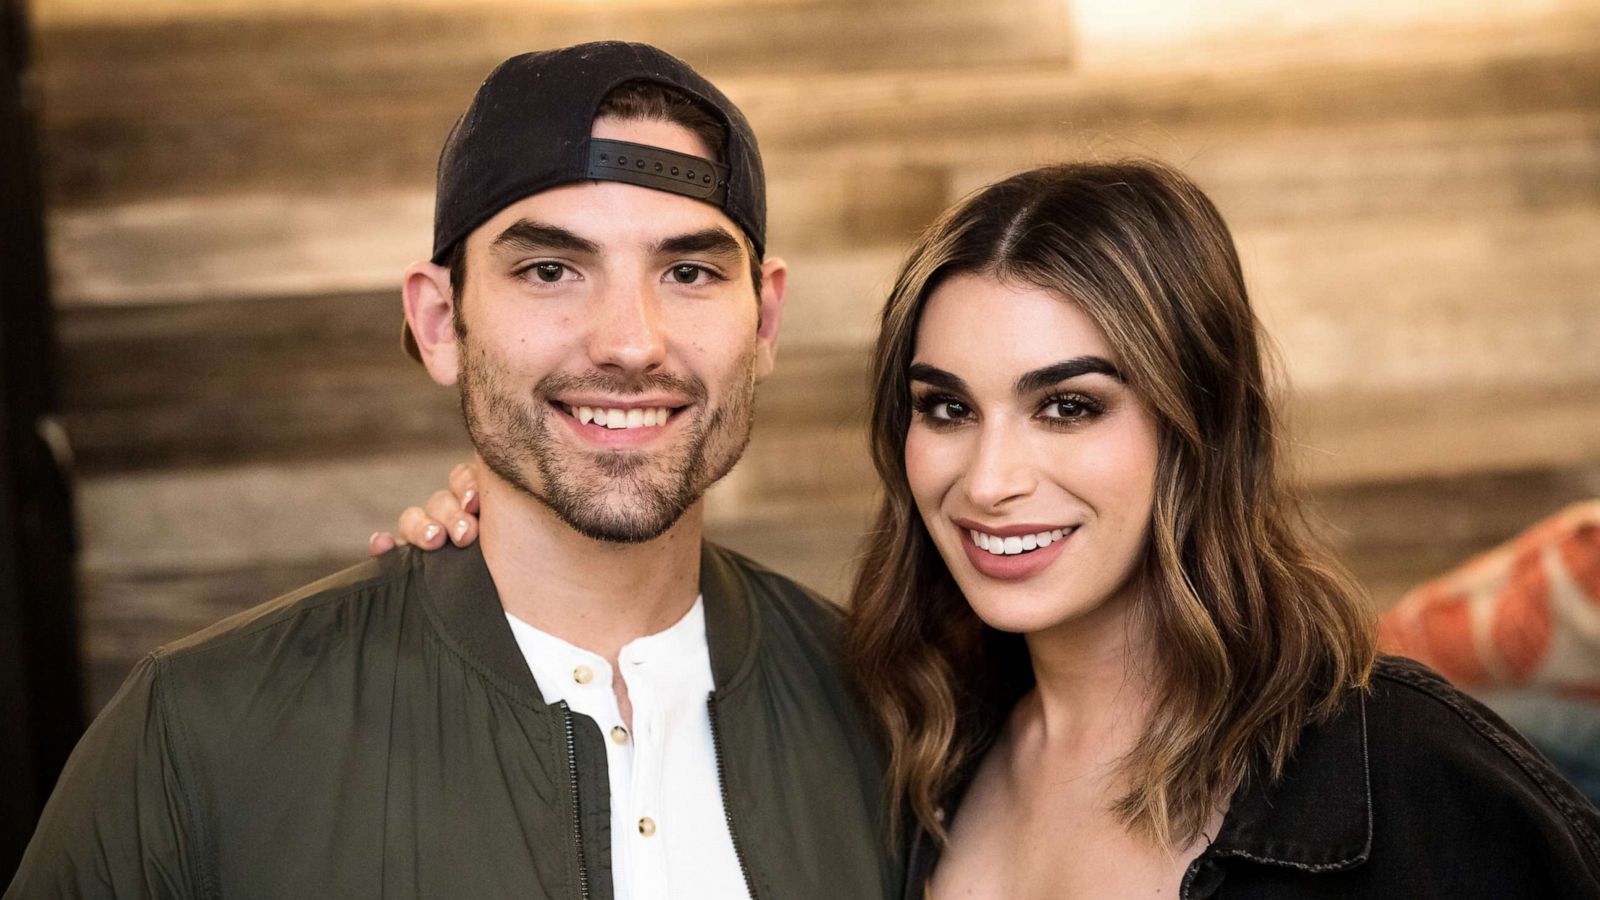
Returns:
<point x="1011" y="546"/>
<point x="620" y="418"/>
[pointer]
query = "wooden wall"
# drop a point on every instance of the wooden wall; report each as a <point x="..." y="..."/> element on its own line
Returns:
<point x="235" y="185"/>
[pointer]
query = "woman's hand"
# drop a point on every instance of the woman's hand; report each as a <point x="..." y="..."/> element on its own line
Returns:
<point x="453" y="512"/>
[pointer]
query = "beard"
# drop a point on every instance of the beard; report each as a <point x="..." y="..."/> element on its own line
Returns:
<point x="606" y="495"/>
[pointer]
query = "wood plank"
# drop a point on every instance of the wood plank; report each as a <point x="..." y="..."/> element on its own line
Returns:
<point x="229" y="247"/>
<point x="263" y="101"/>
<point x="943" y="115"/>
<point x="283" y="511"/>
<point x="1357" y="437"/>
<point x="1431" y="305"/>
<point x="1421" y="309"/>
<point x="287" y="378"/>
<point x="301" y="378"/>
<point x="1471" y="165"/>
<point x="56" y="13"/>
<point x="1396" y="534"/>
<point x="1476" y="170"/>
<point x="323" y="111"/>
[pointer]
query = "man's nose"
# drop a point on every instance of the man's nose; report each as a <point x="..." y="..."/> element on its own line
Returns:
<point x="625" y="330"/>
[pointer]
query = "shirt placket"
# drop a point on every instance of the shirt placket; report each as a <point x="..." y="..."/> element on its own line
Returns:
<point x="593" y="694"/>
<point x="647" y="835"/>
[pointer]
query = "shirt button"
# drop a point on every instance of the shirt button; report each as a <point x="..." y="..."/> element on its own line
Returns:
<point x="647" y="826"/>
<point x="583" y="675"/>
<point x="619" y="734"/>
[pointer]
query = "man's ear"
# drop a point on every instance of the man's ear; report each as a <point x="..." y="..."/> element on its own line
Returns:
<point x="430" y="307"/>
<point x="774" y="286"/>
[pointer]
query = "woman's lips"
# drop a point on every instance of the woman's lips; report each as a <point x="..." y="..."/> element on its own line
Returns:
<point x="1009" y="566"/>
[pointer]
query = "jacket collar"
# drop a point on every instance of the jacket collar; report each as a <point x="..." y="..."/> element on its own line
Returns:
<point x="731" y="618"/>
<point x="1318" y="816"/>
<point x="464" y="604"/>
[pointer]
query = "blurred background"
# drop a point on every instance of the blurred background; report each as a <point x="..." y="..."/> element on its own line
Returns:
<point x="229" y="190"/>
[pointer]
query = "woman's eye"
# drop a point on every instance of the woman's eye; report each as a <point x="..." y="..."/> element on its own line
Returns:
<point x="1068" y="408"/>
<point x="549" y="273"/>
<point x="943" y="410"/>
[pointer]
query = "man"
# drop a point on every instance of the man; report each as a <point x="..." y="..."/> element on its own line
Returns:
<point x="591" y="702"/>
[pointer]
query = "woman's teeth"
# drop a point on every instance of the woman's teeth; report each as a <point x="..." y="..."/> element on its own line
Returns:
<point x="620" y="418"/>
<point x="1011" y="546"/>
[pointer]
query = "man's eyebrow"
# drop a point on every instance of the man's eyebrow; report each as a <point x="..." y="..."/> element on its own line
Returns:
<point x="711" y="241"/>
<point x="530" y="236"/>
<point x="1039" y="379"/>
<point x="937" y="377"/>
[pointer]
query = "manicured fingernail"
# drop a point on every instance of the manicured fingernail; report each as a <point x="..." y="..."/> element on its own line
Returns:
<point x="460" y="529"/>
<point x="374" y="539"/>
<point x="468" y="497"/>
<point x="429" y="533"/>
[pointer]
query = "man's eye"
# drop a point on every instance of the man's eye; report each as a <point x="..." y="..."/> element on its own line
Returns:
<point x="549" y="273"/>
<point x="689" y="274"/>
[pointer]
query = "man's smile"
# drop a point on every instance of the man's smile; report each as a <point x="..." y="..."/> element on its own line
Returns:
<point x="620" y="425"/>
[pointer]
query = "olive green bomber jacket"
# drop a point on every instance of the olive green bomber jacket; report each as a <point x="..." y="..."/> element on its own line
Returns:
<point x="378" y="734"/>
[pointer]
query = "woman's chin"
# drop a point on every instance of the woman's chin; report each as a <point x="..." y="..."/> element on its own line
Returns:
<point x="1018" y="614"/>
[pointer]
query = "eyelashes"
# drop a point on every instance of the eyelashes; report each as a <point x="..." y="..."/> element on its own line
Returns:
<point x="1060" y="410"/>
<point x="1074" y="406"/>
<point x="938" y="409"/>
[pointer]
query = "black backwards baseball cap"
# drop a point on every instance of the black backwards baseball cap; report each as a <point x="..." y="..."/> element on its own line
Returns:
<point x="527" y="130"/>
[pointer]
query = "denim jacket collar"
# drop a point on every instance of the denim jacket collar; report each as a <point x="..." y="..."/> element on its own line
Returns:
<point x="1318" y="816"/>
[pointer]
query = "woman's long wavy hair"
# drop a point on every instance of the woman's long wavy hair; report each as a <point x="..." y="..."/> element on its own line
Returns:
<point x="1257" y="631"/>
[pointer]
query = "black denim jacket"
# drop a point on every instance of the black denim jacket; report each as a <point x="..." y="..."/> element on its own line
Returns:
<point x="1413" y="790"/>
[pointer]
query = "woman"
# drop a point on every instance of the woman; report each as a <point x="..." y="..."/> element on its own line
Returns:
<point x="1107" y="659"/>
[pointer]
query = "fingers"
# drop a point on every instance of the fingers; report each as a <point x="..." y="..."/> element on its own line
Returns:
<point x="444" y="508"/>
<point x="448" y="514"/>
<point x="380" y="543"/>
<point x="464" y="485"/>
<point x="416" y="528"/>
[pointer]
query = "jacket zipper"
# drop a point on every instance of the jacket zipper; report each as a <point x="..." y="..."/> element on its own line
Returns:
<point x="572" y="776"/>
<point x="727" y="808"/>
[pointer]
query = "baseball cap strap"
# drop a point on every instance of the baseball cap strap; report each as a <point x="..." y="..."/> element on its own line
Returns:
<point x="663" y="170"/>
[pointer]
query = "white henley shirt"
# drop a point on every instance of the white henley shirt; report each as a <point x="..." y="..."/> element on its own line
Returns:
<point x="670" y="838"/>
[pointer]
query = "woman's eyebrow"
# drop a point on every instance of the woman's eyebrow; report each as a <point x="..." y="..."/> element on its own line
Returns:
<point x="1039" y="379"/>
<point x="937" y="377"/>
